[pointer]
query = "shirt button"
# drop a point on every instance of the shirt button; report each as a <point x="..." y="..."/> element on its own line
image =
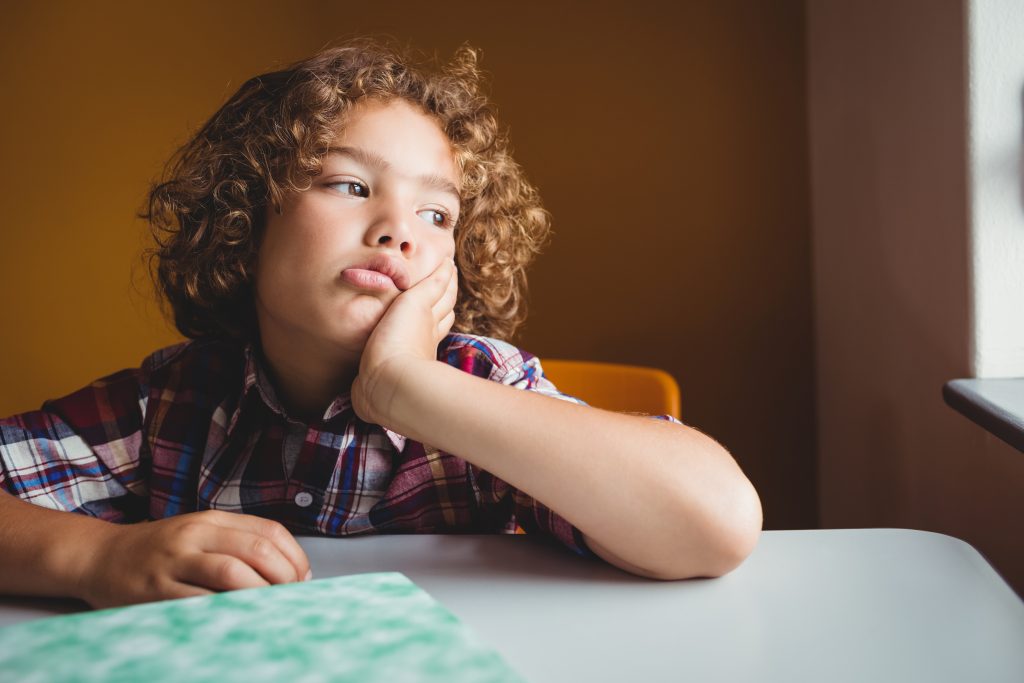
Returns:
<point x="303" y="499"/>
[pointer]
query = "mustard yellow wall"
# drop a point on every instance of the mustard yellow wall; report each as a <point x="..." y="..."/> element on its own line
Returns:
<point x="668" y="142"/>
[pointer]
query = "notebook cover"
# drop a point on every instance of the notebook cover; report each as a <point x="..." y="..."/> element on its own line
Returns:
<point x="365" y="628"/>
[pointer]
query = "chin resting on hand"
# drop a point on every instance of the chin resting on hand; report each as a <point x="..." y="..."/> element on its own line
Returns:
<point x="409" y="331"/>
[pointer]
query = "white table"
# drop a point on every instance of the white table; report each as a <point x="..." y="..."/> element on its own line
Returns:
<point x="837" y="605"/>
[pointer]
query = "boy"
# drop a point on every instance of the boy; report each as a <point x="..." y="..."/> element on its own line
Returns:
<point x="307" y="244"/>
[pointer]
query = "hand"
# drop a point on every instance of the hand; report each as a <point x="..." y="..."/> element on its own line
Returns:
<point x="191" y="554"/>
<point x="408" y="332"/>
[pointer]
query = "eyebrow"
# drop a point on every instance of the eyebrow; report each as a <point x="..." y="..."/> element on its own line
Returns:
<point x="372" y="159"/>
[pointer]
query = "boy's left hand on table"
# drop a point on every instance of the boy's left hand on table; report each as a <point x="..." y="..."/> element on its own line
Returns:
<point x="409" y="332"/>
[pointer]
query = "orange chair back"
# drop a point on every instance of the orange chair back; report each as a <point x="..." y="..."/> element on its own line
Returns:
<point x="622" y="388"/>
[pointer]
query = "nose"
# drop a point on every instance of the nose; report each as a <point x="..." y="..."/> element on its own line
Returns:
<point x="390" y="227"/>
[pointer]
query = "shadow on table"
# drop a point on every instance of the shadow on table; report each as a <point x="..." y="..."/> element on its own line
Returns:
<point x="466" y="558"/>
<point x="486" y="557"/>
<point x="14" y="608"/>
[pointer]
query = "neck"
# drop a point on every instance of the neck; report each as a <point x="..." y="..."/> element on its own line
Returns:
<point x="307" y="376"/>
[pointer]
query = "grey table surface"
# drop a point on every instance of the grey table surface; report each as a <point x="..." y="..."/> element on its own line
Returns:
<point x="825" y="605"/>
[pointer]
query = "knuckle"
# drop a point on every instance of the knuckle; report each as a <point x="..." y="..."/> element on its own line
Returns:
<point x="261" y="548"/>
<point x="188" y="531"/>
<point x="214" y="516"/>
<point x="229" y="573"/>
<point x="189" y="527"/>
<point x="272" y="530"/>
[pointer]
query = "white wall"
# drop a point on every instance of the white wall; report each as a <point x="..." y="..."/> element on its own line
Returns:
<point x="887" y="97"/>
<point x="996" y="62"/>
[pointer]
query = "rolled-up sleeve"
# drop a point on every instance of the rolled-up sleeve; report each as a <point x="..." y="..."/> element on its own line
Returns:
<point x="80" y="453"/>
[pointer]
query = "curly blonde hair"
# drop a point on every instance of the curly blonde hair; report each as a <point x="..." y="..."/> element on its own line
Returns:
<point x="208" y="212"/>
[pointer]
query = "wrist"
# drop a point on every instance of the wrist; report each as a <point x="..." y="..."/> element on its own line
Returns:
<point x="77" y="561"/>
<point x="377" y="391"/>
<point x="420" y="406"/>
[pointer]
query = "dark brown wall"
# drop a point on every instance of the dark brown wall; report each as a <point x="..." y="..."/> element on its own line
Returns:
<point x="893" y="282"/>
<point x="668" y="142"/>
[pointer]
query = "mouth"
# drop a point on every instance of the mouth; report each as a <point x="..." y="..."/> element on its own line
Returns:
<point x="380" y="273"/>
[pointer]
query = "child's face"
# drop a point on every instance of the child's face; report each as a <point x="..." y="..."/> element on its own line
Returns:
<point x="386" y="200"/>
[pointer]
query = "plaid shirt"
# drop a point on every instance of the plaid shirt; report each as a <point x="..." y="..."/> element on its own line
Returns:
<point x="199" y="427"/>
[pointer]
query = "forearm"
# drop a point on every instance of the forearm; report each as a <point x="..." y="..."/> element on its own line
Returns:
<point x="655" y="498"/>
<point x="42" y="551"/>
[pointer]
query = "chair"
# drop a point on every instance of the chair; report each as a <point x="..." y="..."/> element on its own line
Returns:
<point x="621" y="388"/>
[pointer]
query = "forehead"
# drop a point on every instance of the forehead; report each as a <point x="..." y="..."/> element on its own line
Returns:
<point x="396" y="136"/>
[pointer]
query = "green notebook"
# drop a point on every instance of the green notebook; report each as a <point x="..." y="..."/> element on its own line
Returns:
<point x="365" y="628"/>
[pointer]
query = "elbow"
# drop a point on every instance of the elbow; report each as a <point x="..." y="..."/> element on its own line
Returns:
<point x="735" y="541"/>
<point x="719" y="539"/>
<point x="733" y="532"/>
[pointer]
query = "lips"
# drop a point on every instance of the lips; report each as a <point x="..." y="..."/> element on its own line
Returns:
<point x="383" y="264"/>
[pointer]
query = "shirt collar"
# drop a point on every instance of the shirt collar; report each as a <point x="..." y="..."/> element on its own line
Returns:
<point x="256" y="383"/>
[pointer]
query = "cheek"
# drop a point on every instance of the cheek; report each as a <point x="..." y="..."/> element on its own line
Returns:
<point x="441" y="246"/>
<point x="434" y="253"/>
<point x="285" y="270"/>
<point x="446" y="245"/>
<point x="297" y="248"/>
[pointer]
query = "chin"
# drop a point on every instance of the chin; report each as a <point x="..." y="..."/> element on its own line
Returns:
<point x="356" y="321"/>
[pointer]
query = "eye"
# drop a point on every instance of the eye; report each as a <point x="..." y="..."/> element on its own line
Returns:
<point x="351" y="188"/>
<point x="438" y="217"/>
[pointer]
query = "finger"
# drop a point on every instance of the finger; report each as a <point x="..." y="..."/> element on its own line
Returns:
<point x="431" y="288"/>
<point x="256" y="551"/>
<point x="268" y="528"/>
<point x="445" y="326"/>
<point x="216" y="572"/>
<point x="451" y="288"/>
<point x="444" y="272"/>
<point x="164" y="589"/>
<point x="447" y="301"/>
<point x="184" y="590"/>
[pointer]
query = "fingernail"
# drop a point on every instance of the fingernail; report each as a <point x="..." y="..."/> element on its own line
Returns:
<point x="309" y="575"/>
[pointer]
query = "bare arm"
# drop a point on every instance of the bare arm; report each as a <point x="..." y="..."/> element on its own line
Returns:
<point x="653" y="498"/>
<point x="46" y="552"/>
